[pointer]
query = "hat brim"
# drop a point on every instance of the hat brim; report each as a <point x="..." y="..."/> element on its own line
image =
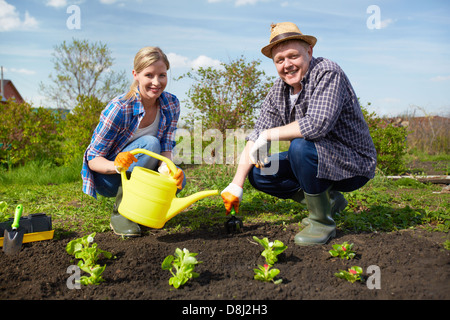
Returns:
<point x="267" y="50"/>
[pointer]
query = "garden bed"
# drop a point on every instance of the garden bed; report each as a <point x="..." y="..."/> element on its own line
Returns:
<point x="413" y="265"/>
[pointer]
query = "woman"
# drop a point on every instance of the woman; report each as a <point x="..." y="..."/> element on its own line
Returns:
<point x="146" y="117"/>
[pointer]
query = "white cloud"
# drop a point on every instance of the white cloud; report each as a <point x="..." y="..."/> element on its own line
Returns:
<point x="10" y="19"/>
<point x="440" y="78"/>
<point x="21" y="71"/>
<point x="237" y="3"/>
<point x="244" y="2"/>
<point x="56" y="3"/>
<point x="178" y="61"/>
<point x="108" y="1"/>
<point x="204" y="61"/>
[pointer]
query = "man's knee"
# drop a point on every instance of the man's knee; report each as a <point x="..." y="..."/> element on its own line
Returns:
<point x="299" y="149"/>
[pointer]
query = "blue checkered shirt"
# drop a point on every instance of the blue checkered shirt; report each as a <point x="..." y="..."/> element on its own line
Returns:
<point x="328" y="113"/>
<point x="118" y="122"/>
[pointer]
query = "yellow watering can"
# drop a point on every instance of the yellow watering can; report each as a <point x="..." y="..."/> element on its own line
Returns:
<point x="149" y="198"/>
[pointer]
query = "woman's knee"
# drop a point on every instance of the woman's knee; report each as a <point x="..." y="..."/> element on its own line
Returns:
<point x="150" y="143"/>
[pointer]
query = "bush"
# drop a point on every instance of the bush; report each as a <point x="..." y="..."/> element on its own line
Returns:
<point x="390" y="143"/>
<point x="79" y="126"/>
<point x="28" y="134"/>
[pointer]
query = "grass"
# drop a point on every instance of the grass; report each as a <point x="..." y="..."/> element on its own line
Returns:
<point x="381" y="205"/>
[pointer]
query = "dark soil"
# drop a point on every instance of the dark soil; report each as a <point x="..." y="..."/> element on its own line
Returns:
<point x="413" y="265"/>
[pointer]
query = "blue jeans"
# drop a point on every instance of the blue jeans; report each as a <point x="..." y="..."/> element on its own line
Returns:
<point x="108" y="184"/>
<point x="297" y="169"/>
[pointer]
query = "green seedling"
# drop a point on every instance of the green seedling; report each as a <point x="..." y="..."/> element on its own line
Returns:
<point x="184" y="263"/>
<point x="344" y="251"/>
<point x="352" y="275"/>
<point x="3" y="207"/>
<point x="88" y="252"/>
<point x="265" y="273"/>
<point x="271" y="249"/>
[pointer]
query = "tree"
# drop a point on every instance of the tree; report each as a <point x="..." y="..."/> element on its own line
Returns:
<point x="83" y="69"/>
<point x="228" y="97"/>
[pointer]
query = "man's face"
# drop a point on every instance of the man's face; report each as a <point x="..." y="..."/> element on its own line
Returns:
<point x="292" y="60"/>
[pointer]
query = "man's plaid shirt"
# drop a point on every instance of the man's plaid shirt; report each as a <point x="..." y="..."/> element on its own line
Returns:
<point x="329" y="114"/>
<point x="118" y="122"/>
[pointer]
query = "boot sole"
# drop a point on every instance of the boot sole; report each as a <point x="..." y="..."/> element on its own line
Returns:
<point x="128" y="235"/>
<point x="305" y="244"/>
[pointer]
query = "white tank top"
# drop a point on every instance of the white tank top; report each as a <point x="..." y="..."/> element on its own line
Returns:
<point x="150" y="130"/>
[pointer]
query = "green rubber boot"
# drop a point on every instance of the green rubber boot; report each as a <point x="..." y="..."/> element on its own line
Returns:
<point x="338" y="204"/>
<point x="121" y="225"/>
<point x="321" y="225"/>
<point x="299" y="196"/>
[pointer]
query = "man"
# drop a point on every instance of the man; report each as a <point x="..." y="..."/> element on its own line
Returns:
<point x="314" y="106"/>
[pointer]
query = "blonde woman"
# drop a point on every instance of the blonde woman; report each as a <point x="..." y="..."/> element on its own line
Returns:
<point x="146" y="117"/>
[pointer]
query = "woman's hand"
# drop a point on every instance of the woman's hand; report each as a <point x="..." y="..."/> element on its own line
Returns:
<point x="178" y="175"/>
<point x="123" y="161"/>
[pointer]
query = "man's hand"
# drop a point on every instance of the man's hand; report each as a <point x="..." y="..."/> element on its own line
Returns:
<point x="178" y="175"/>
<point x="124" y="160"/>
<point x="232" y="196"/>
<point x="258" y="153"/>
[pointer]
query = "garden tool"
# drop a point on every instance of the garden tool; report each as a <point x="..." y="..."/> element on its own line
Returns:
<point x="12" y="242"/>
<point x="149" y="197"/>
<point x="233" y="224"/>
<point x="321" y="225"/>
<point x="36" y="227"/>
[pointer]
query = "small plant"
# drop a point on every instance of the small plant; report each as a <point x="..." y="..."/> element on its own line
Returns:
<point x="265" y="273"/>
<point x="184" y="263"/>
<point x="352" y="275"/>
<point x="85" y="249"/>
<point x="343" y="251"/>
<point x="447" y="244"/>
<point x="3" y="215"/>
<point x="271" y="252"/>
<point x="271" y="249"/>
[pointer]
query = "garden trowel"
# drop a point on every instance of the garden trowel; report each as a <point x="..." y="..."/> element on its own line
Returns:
<point x="12" y="242"/>
<point x="234" y="224"/>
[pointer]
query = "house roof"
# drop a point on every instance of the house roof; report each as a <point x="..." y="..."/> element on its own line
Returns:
<point x="11" y="92"/>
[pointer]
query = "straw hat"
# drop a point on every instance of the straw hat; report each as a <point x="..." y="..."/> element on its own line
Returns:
<point x="285" y="31"/>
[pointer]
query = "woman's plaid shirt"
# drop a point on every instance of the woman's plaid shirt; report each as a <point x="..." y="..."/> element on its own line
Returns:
<point x="118" y="122"/>
<point x="329" y="114"/>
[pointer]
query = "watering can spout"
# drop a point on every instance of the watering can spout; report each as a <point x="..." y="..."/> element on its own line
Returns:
<point x="179" y="204"/>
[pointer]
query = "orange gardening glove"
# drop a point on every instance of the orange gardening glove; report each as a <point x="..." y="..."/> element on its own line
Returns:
<point x="124" y="161"/>
<point x="232" y="197"/>
<point x="178" y="176"/>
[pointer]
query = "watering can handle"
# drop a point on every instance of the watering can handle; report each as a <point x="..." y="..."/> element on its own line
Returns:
<point x="169" y="163"/>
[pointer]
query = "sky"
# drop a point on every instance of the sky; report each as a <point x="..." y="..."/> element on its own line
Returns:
<point x="395" y="52"/>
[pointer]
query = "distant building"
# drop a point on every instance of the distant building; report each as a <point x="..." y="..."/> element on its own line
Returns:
<point x="10" y="92"/>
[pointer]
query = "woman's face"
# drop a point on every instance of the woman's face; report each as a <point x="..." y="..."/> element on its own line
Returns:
<point x="152" y="80"/>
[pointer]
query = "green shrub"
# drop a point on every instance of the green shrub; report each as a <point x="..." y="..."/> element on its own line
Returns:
<point x="79" y="126"/>
<point x="390" y="143"/>
<point x="28" y="133"/>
